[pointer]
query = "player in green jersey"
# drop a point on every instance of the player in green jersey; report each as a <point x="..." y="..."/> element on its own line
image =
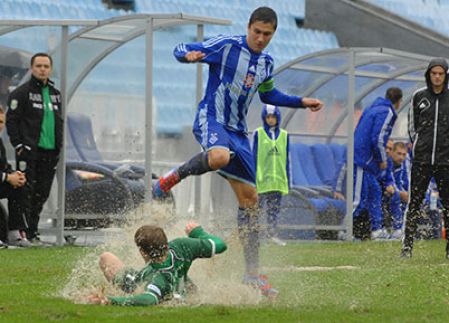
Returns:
<point x="166" y="265"/>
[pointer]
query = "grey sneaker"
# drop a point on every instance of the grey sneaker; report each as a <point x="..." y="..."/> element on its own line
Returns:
<point x="3" y="245"/>
<point x="21" y="242"/>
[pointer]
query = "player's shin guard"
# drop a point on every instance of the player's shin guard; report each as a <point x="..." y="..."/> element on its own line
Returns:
<point x="198" y="165"/>
<point x="248" y="226"/>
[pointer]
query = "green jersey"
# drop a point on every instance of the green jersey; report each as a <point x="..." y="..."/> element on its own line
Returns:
<point x="47" y="137"/>
<point x="161" y="280"/>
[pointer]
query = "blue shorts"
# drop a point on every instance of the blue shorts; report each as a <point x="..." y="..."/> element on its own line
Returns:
<point x="212" y="135"/>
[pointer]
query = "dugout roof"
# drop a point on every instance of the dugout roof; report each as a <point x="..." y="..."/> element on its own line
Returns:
<point x="82" y="44"/>
<point x="328" y="75"/>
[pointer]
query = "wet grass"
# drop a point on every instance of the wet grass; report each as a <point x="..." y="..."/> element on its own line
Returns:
<point x="319" y="282"/>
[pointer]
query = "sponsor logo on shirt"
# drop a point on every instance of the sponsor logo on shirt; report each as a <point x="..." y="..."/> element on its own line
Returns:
<point x="273" y="151"/>
<point x="424" y="104"/>
<point x="35" y="97"/>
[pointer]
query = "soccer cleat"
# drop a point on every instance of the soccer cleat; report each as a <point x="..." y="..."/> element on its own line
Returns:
<point x="261" y="283"/>
<point x="163" y="185"/>
<point x="406" y="252"/>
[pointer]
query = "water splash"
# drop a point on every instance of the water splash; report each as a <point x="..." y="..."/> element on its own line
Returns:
<point x="218" y="279"/>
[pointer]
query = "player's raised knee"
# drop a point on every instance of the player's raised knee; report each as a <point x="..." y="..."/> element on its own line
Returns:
<point x="218" y="158"/>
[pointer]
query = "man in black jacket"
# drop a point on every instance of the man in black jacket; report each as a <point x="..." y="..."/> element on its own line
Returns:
<point x="429" y="129"/>
<point x="9" y="181"/>
<point x="35" y="128"/>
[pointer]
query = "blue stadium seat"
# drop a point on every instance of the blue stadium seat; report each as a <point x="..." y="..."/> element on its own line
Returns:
<point x="80" y="128"/>
<point x="339" y="152"/>
<point x="307" y="182"/>
<point x="325" y="163"/>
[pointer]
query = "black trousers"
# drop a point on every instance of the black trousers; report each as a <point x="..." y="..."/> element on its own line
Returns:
<point x="420" y="179"/>
<point x="6" y="191"/>
<point x="26" y="203"/>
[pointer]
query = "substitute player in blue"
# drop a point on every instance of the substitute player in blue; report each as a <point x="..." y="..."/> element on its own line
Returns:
<point x="399" y="199"/>
<point x="238" y="68"/>
<point x="370" y="159"/>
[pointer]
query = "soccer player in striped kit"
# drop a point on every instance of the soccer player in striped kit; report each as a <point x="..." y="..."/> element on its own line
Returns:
<point x="238" y="68"/>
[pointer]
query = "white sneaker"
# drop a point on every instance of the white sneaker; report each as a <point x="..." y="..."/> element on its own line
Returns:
<point x="396" y="235"/>
<point x="380" y="234"/>
<point x="278" y="241"/>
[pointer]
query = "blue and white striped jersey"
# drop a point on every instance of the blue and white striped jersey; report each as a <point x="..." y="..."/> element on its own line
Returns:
<point x="235" y="74"/>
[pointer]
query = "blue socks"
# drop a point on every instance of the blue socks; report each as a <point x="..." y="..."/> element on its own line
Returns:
<point x="198" y="165"/>
<point x="248" y="226"/>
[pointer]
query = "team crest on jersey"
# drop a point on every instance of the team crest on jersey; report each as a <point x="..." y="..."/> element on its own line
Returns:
<point x="249" y="80"/>
<point x="424" y="104"/>
<point x="213" y="138"/>
<point x="14" y="104"/>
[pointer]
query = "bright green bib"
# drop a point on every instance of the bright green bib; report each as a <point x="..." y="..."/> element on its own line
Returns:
<point x="47" y="137"/>
<point x="271" y="163"/>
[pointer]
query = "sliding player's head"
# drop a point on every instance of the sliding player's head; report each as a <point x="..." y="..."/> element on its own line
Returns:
<point x="152" y="243"/>
<point x="261" y="27"/>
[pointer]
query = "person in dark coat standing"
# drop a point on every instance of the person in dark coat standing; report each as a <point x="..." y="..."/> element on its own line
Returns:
<point x="35" y="127"/>
<point x="428" y="129"/>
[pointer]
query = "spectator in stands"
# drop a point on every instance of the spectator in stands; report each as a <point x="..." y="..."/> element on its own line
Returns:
<point x="166" y="266"/>
<point x="271" y="154"/>
<point x="238" y="68"/>
<point x="370" y="159"/>
<point x="9" y="181"/>
<point x="34" y="126"/>
<point x="428" y="130"/>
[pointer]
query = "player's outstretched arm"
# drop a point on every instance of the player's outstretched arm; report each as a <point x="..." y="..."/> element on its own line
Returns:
<point x="270" y="95"/>
<point x="194" y="230"/>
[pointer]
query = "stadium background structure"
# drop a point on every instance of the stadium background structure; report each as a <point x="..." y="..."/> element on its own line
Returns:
<point x="131" y="26"/>
<point x="365" y="71"/>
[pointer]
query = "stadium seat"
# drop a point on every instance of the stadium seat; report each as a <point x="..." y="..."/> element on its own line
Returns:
<point x="325" y="163"/>
<point x="339" y="152"/>
<point x="309" y="185"/>
<point x="80" y="129"/>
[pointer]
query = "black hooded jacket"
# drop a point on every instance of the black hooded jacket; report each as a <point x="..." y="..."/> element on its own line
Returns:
<point x="25" y="114"/>
<point x="429" y="121"/>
